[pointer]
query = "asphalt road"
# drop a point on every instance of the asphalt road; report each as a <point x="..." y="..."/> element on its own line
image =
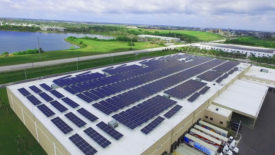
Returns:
<point x="261" y="139"/>
<point x="62" y="61"/>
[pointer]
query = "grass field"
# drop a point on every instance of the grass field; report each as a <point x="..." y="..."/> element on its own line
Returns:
<point x="93" y="47"/>
<point x="252" y="41"/>
<point x="193" y="35"/>
<point x="14" y="137"/>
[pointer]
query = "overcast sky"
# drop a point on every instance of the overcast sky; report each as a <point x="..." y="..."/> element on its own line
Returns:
<point x="235" y="14"/>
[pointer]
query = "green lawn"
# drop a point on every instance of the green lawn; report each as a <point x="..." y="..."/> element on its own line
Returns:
<point x="93" y="47"/>
<point x="193" y="35"/>
<point x="14" y="137"/>
<point x="252" y="41"/>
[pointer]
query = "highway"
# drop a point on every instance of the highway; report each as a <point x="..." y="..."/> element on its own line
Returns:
<point x="62" y="61"/>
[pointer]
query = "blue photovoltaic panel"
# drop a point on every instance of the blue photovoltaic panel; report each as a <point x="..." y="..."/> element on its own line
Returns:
<point x="102" y="141"/>
<point x="24" y="92"/>
<point x="204" y="90"/>
<point x="70" y="102"/>
<point x="33" y="100"/>
<point x="173" y="111"/>
<point x="45" y="86"/>
<point x="151" y="126"/>
<point x="46" y="97"/>
<point x="58" y="106"/>
<point x="87" y="114"/>
<point x="47" y="111"/>
<point x="85" y="98"/>
<point x="76" y="120"/>
<point x="35" y="89"/>
<point x="193" y="97"/>
<point x="56" y="93"/>
<point x="109" y="130"/>
<point x="84" y="146"/>
<point x="65" y="128"/>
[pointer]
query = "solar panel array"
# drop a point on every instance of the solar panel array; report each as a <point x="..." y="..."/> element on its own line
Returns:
<point x="185" y="89"/>
<point x="76" y="120"/>
<point x="33" y="100"/>
<point x="107" y="93"/>
<point x="64" y="127"/>
<point x="59" y="106"/>
<point x="98" y="138"/>
<point x="84" y="146"/>
<point x="46" y="111"/>
<point x="143" y="112"/>
<point x="151" y="126"/>
<point x="87" y="114"/>
<point x="24" y="92"/>
<point x="173" y="111"/>
<point x="109" y="130"/>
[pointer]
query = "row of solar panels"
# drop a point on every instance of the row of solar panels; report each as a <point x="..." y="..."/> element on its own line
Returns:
<point x="85" y="147"/>
<point x="122" y="100"/>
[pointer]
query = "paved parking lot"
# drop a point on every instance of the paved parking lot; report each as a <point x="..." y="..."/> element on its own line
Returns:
<point x="261" y="139"/>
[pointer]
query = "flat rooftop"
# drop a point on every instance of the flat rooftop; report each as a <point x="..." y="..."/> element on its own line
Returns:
<point x="243" y="96"/>
<point x="242" y="47"/>
<point x="118" y="93"/>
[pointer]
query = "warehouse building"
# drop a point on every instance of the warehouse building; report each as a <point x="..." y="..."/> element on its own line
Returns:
<point x="142" y="107"/>
<point x="145" y="37"/>
<point x="248" y="50"/>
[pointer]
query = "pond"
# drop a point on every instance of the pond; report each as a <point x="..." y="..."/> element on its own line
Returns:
<point x="11" y="41"/>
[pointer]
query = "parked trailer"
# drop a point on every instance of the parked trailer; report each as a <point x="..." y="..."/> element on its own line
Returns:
<point x="213" y="128"/>
<point x="208" y="139"/>
<point x="200" y="145"/>
<point x="211" y="133"/>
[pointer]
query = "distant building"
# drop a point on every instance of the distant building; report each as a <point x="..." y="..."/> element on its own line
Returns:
<point x="131" y="27"/>
<point x="167" y="39"/>
<point x="248" y="50"/>
<point x="52" y="28"/>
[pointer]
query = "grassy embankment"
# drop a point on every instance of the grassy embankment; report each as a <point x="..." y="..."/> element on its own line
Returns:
<point x="253" y="41"/>
<point x="15" y="138"/>
<point x="91" y="47"/>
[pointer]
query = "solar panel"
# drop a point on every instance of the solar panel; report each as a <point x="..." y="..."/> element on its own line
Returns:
<point x="173" y="111"/>
<point x="85" y="98"/>
<point x="76" y="120"/>
<point x="151" y="126"/>
<point x="45" y="86"/>
<point x="47" y="111"/>
<point x="204" y="90"/>
<point x="35" y="89"/>
<point x="33" y="100"/>
<point x="87" y="114"/>
<point x="85" y="147"/>
<point x="64" y="127"/>
<point x="24" y="92"/>
<point x="46" y="97"/>
<point x="56" y="93"/>
<point x="70" y="102"/>
<point x="102" y="141"/>
<point x="58" y="106"/>
<point x="109" y="130"/>
<point x="194" y="97"/>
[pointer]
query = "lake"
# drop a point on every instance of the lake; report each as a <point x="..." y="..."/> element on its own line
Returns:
<point x="12" y="41"/>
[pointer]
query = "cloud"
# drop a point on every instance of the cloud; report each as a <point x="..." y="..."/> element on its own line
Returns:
<point x="263" y="10"/>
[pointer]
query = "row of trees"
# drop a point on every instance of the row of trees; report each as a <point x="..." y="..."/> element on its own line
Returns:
<point x="19" y="28"/>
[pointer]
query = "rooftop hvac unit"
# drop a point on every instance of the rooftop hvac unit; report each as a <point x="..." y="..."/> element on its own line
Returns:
<point x="113" y="124"/>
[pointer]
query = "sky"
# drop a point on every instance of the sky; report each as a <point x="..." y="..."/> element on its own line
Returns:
<point x="233" y="14"/>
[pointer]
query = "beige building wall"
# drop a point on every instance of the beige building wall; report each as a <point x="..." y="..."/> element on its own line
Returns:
<point x="48" y="142"/>
<point x="216" y="119"/>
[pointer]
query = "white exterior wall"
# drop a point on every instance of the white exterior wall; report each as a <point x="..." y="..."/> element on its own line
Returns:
<point x="249" y="53"/>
